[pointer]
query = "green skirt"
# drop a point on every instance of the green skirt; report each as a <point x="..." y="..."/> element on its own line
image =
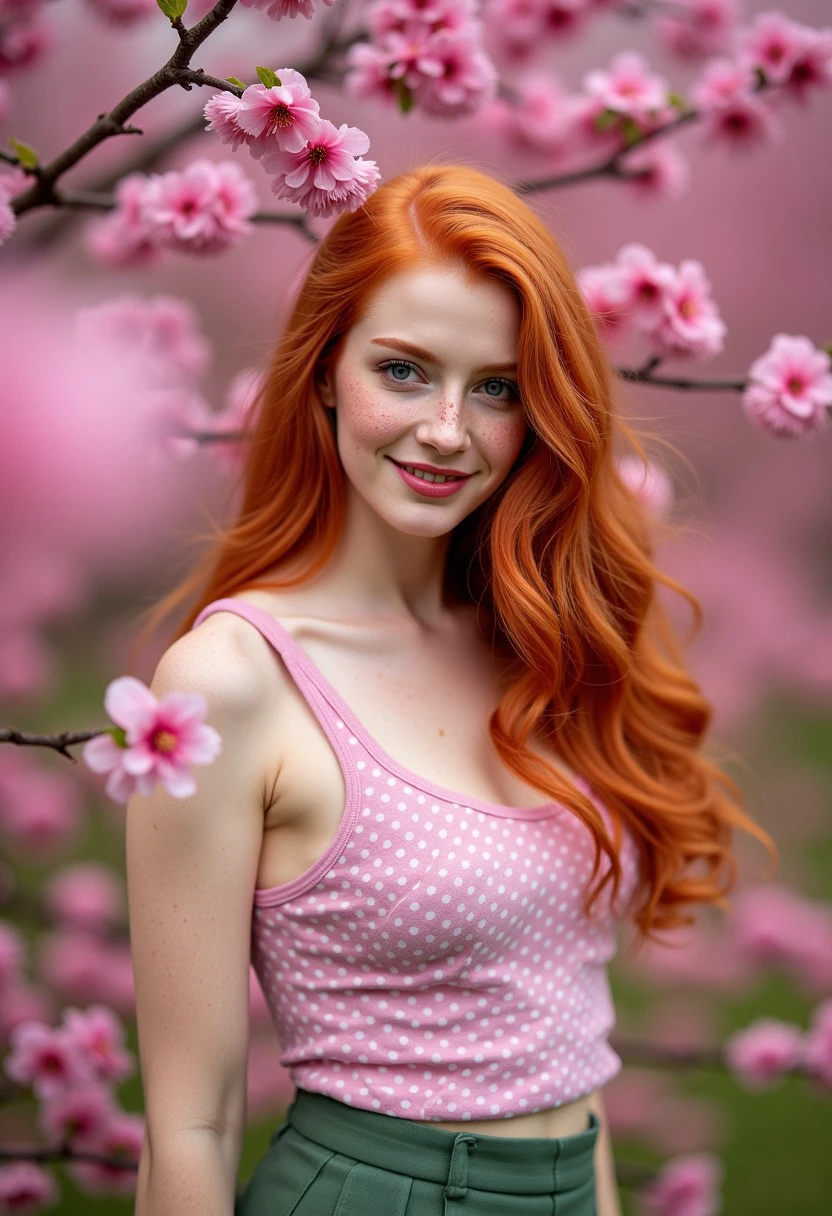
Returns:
<point x="331" y="1159"/>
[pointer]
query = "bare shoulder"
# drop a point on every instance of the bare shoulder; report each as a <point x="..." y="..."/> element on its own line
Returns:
<point x="222" y="657"/>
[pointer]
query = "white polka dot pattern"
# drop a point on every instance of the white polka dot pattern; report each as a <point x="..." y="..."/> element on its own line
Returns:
<point x="436" y="962"/>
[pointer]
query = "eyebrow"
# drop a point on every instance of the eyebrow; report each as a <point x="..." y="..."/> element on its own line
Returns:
<point x="419" y="352"/>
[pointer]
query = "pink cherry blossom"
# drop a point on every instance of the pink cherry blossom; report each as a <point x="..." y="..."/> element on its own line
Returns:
<point x="628" y="87"/>
<point x="99" y="1036"/>
<point x="163" y="738"/>
<point x="466" y="81"/>
<point x="78" y="1113"/>
<point x="240" y="401"/>
<point x="699" y="28"/>
<point x="774" y="925"/>
<point x="731" y="113"/>
<point x="124" y="238"/>
<point x="25" y="42"/>
<point x="646" y="282"/>
<point x="663" y="172"/>
<point x="368" y="75"/>
<point x="45" y="1057"/>
<point x="789" y="389"/>
<point x="24" y="1003"/>
<point x="648" y="483"/>
<point x="764" y="1052"/>
<point x="276" y="9"/>
<point x="27" y="1188"/>
<point x="515" y="27"/>
<point x="772" y="42"/>
<point x="203" y="208"/>
<point x="565" y="18"/>
<point x="159" y="333"/>
<point x="283" y="116"/>
<point x="685" y="1186"/>
<point x="386" y="16"/>
<point x="86" y="893"/>
<point x="690" y="323"/>
<point x="606" y="298"/>
<point x="121" y="1138"/>
<point x="41" y="810"/>
<point x="817" y="1045"/>
<point x="221" y="113"/>
<point x="81" y="967"/>
<point x="174" y="414"/>
<point x="538" y="116"/>
<point x="124" y="14"/>
<point x="328" y="176"/>
<point x="812" y="67"/>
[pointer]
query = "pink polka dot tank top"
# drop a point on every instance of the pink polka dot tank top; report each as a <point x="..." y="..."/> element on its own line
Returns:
<point x="435" y="962"/>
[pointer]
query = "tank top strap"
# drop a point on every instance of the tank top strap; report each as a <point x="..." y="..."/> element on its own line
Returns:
<point x="333" y="714"/>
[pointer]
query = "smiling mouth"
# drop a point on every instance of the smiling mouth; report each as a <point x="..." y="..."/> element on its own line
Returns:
<point x="424" y="475"/>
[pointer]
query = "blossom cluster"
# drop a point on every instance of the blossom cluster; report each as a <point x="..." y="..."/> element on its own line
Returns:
<point x="737" y="97"/>
<point x="158" y="339"/>
<point x="789" y="389"/>
<point x="154" y="740"/>
<point x="312" y="162"/>
<point x="769" y="1049"/>
<point x="204" y="208"/>
<point x="423" y="53"/>
<point x="72" y="1069"/>
<point x="671" y="306"/>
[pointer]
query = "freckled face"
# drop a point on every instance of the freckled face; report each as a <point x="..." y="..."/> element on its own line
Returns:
<point x="428" y="376"/>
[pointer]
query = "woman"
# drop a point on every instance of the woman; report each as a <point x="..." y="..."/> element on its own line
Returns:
<point x="437" y="606"/>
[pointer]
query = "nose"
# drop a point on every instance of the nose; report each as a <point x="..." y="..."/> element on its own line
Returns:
<point x="444" y="426"/>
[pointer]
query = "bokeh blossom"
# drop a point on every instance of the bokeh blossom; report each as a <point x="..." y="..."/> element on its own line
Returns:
<point x="817" y="1045"/>
<point x="203" y="208"/>
<point x="425" y="54"/>
<point x="276" y="9"/>
<point x="764" y="1052"/>
<point x="789" y="389"/>
<point x="162" y="738"/>
<point x="685" y="1186"/>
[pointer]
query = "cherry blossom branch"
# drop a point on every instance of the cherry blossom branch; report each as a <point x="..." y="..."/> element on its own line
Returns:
<point x="176" y="71"/>
<point x="59" y="743"/>
<point x="84" y="200"/>
<point x="612" y="166"/>
<point x="644" y="375"/>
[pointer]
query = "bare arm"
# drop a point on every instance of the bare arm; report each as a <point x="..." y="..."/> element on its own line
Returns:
<point x="606" y="1191"/>
<point x="191" y="871"/>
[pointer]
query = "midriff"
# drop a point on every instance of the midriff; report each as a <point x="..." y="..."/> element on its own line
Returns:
<point x="558" y="1121"/>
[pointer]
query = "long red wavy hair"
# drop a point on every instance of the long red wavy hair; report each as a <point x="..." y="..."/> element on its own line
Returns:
<point x="560" y="560"/>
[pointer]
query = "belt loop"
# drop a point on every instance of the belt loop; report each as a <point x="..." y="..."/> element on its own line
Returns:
<point x="457" y="1187"/>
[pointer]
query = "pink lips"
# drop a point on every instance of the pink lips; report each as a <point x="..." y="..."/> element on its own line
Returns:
<point x="430" y="489"/>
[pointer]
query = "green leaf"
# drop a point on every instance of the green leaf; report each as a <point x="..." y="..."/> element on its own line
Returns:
<point x="404" y="96"/>
<point x="677" y="101"/>
<point x="606" y="119"/>
<point x="26" y="155"/>
<point x="234" y="80"/>
<point x="119" y="735"/>
<point x="828" y="349"/>
<point x="268" y="77"/>
<point x="172" y="8"/>
<point x="632" y="132"/>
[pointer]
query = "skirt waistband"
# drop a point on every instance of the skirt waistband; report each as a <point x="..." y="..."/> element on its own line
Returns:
<point x="511" y="1165"/>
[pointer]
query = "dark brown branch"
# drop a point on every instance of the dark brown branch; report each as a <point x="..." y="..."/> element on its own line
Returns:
<point x="176" y="71"/>
<point x="59" y="743"/>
